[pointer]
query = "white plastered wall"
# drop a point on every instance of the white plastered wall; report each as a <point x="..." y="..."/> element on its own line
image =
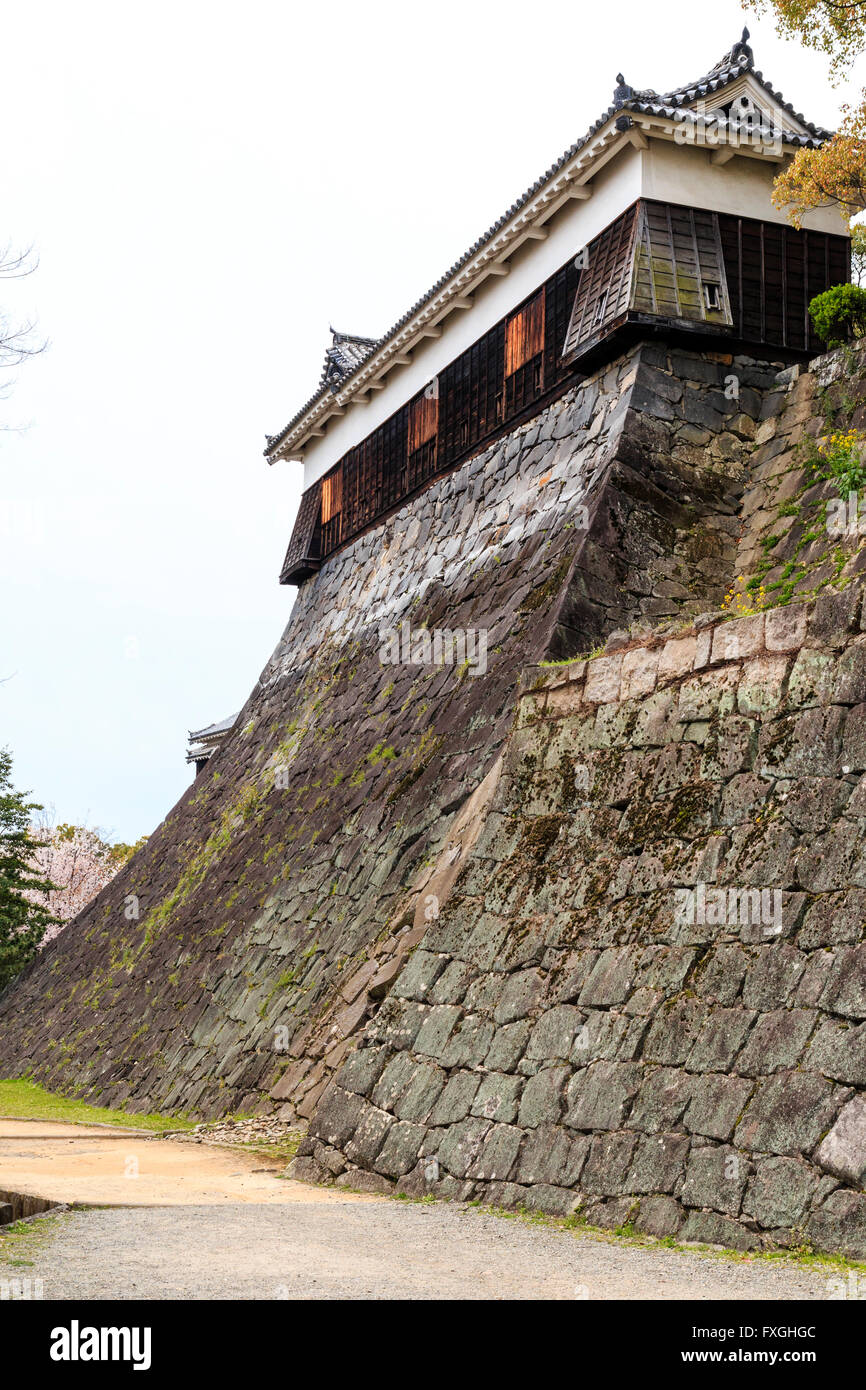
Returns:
<point x="665" y="170"/>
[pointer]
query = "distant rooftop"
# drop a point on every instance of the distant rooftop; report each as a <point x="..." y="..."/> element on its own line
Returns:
<point x="202" y="743"/>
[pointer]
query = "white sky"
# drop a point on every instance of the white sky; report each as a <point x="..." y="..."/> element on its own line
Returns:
<point x="208" y="186"/>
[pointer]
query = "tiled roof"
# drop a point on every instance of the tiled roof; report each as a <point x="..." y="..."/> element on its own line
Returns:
<point x="738" y="60"/>
<point x="203" y="742"/>
<point x="214" y="730"/>
<point x="346" y="352"/>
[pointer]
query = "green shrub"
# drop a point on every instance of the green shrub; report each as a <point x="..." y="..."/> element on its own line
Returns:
<point x="839" y="314"/>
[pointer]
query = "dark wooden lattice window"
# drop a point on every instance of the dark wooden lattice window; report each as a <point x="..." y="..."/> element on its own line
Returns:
<point x="505" y="372"/>
<point x="560" y="292"/>
<point x="773" y="271"/>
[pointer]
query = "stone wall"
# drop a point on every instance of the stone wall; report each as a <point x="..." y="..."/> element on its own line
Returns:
<point x="604" y="1018"/>
<point x="230" y="965"/>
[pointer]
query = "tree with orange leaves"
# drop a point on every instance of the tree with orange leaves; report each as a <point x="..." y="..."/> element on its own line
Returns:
<point x="835" y="173"/>
<point x="834" y="27"/>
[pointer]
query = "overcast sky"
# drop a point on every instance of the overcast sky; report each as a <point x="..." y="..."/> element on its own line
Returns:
<point x="209" y="186"/>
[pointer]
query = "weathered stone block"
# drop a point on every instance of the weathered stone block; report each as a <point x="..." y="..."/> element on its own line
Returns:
<point x="831" y="618"/>
<point x="721" y="973"/>
<point x="369" y="1135"/>
<point x="498" y="1154"/>
<point x="639" y="670"/>
<point x="658" y="1162"/>
<point x="607" y="1165"/>
<point x="362" y="1069"/>
<point x="662" y="1099"/>
<point x="421" y="1094"/>
<point x="719" y="1041"/>
<point x="781" y="1192"/>
<point x="845" y="992"/>
<point x="611" y="979"/>
<point x="839" y="1225"/>
<point x="397" y="1023"/>
<point x="843" y="1150"/>
<point x="716" y="1105"/>
<point x="676" y="658"/>
<point x="554" y="1033"/>
<point x="773" y="977"/>
<point x="542" y="1099"/>
<point x="788" y="1113"/>
<point x="659" y="1216"/>
<point x="777" y="1042"/>
<point x="308" y="1170"/>
<point x="520" y="993"/>
<point x="602" y="680"/>
<point x="839" y="1051"/>
<point x="359" y="1180"/>
<point x="706" y="1228"/>
<point x="785" y="628"/>
<point x="709" y="696"/>
<point x="610" y="1215"/>
<point x="600" y="1096"/>
<point x="716" y="1178"/>
<point x="674" y="1030"/>
<point x="609" y="1036"/>
<point x="469" y="1044"/>
<point x="400" y="1150"/>
<point x="742" y="637"/>
<point x="853" y="751"/>
<point x="803" y="745"/>
<point x="508" y="1046"/>
<point x="551" y="1154"/>
<point x="419" y="975"/>
<point x="337" y="1117"/>
<point x="436" y="1029"/>
<point x="456" y="1099"/>
<point x="396" y="1076"/>
<point x="556" y="1201"/>
<point x="461" y="1146"/>
<point x="762" y="683"/>
<point x="498" y="1096"/>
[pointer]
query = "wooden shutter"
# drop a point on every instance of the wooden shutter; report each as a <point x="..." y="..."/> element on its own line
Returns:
<point x="332" y="495"/>
<point x="302" y="556"/>
<point x="423" y="420"/>
<point x="524" y="335"/>
<point x="679" y="267"/>
<point x="603" y="288"/>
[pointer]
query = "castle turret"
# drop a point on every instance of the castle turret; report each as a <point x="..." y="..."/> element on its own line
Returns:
<point x="659" y="221"/>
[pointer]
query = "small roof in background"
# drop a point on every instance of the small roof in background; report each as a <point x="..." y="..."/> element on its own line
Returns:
<point x="203" y="742"/>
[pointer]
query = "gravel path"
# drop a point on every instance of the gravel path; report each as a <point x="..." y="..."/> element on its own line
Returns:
<point x="377" y="1249"/>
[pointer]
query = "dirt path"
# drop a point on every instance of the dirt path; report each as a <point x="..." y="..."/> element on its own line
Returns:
<point x="92" y="1165"/>
<point x="199" y="1223"/>
<point x="378" y="1249"/>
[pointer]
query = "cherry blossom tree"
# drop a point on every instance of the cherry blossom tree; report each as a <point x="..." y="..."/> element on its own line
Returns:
<point x="79" y="860"/>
